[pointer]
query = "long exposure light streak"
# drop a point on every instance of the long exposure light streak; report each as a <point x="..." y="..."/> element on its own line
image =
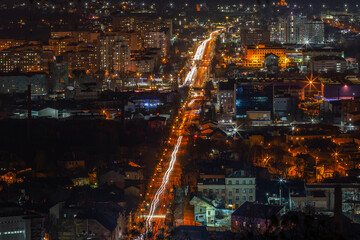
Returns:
<point x="198" y="56"/>
<point x="189" y="80"/>
<point x="200" y="50"/>
<point x="165" y="180"/>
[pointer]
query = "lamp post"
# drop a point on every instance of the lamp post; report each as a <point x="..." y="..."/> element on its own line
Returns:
<point x="281" y="181"/>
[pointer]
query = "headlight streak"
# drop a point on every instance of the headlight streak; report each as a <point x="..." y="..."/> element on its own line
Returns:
<point x="189" y="80"/>
<point x="162" y="188"/>
<point x="198" y="56"/>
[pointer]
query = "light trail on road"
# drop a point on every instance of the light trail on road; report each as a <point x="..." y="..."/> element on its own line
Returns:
<point x="190" y="76"/>
<point x="189" y="80"/>
<point x="165" y="180"/>
<point x="200" y="50"/>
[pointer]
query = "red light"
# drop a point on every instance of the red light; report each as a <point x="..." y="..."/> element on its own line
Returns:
<point x="195" y="136"/>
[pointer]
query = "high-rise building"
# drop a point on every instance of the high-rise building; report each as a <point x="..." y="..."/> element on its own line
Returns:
<point x="158" y="40"/>
<point x="226" y="97"/>
<point x="277" y="31"/>
<point x="114" y="54"/>
<point x="86" y="60"/>
<point x="314" y="31"/>
<point x="58" y="45"/>
<point x="59" y="76"/>
<point x="133" y="39"/>
<point x="297" y="29"/>
<point x="24" y="61"/>
<point x="293" y="29"/>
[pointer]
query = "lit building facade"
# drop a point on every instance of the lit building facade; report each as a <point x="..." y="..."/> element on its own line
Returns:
<point x="18" y="83"/>
<point x="309" y="54"/>
<point x="314" y="32"/>
<point x="226" y="97"/>
<point x="253" y="96"/>
<point x="59" y="45"/>
<point x="297" y="29"/>
<point x="83" y="60"/>
<point x="76" y="36"/>
<point x="9" y="43"/>
<point x="328" y="64"/>
<point x="253" y="36"/>
<point x="142" y="23"/>
<point x="59" y="76"/>
<point x="255" y="55"/>
<point x="133" y="39"/>
<point x="113" y="53"/>
<point x="24" y="61"/>
<point x="235" y="189"/>
<point x="158" y="40"/>
<point x="142" y="65"/>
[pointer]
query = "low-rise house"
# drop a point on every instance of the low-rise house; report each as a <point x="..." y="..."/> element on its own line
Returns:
<point x="217" y="135"/>
<point x="191" y="232"/>
<point x="311" y="200"/>
<point x="271" y="61"/>
<point x="235" y="189"/>
<point x="157" y="122"/>
<point x="208" y="124"/>
<point x="211" y="213"/>
<point x="134" y="173"/>
<point x="102" y="221"/>
<point x="112" y="177"/>
<point x="74" y="164"/>
<point x="255" y="217"/>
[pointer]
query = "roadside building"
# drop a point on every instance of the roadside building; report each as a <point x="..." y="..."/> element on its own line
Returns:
<point x="235" y="189"/>
<point x="327" y="64"/>
<point x="226" y="97"/>
<point x="255" y="217"/>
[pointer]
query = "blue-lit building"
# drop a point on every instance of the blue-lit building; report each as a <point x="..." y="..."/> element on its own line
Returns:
<point x="146" y="102"/>
<point x="253" y="96"/>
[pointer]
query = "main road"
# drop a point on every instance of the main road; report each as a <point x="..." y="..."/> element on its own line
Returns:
<point x="158" y="198"/>
<point x="199" y="57"/>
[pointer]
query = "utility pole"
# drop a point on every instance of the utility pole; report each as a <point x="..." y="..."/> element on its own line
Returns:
<point x="280" y="195"/>
<point x="29" y="101"/>
<point x="29" y="117"/>
<point x="281" y="181"/>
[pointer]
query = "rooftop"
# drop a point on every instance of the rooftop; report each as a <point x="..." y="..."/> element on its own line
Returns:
<point x="325" y="58"/>
<point x="257" y="210"/>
